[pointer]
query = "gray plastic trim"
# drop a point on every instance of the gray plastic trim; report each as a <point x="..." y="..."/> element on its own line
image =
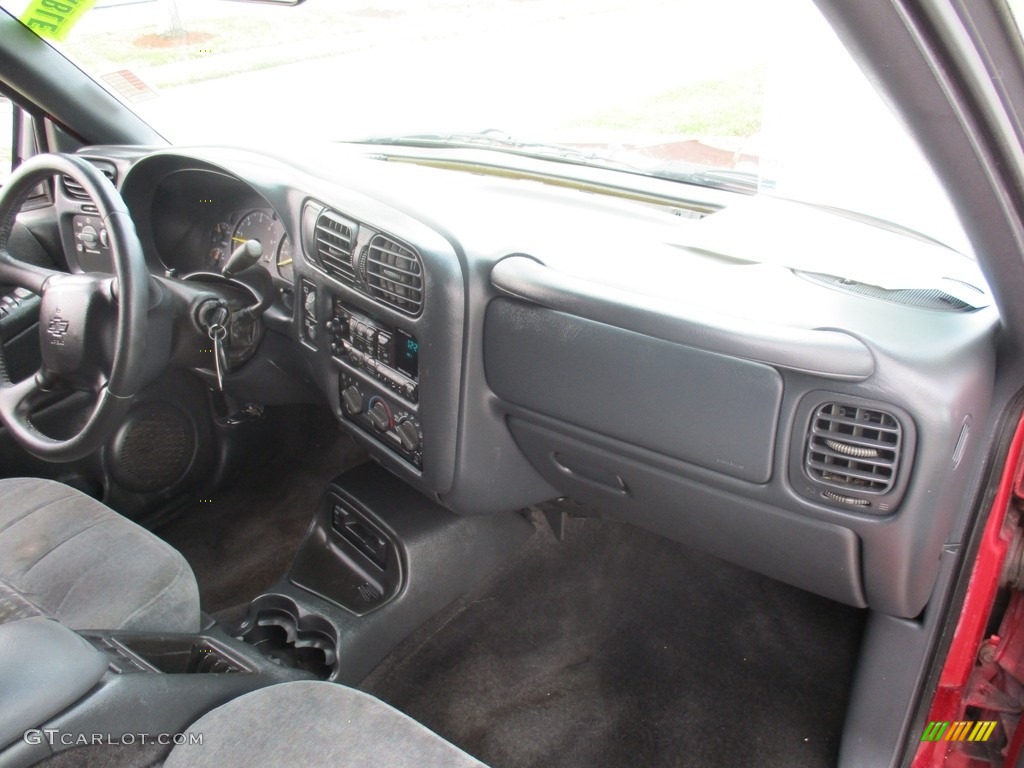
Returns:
<point x="828" y="353"/>
<point x="810" y="554"/>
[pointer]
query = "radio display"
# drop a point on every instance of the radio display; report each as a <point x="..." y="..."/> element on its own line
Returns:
<point x="407" y="354"/>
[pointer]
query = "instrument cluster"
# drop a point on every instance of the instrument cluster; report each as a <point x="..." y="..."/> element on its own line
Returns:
<point x="240" y="226"/>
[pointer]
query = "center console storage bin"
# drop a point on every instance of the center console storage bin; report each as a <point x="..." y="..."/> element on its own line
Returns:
<point x="172" y="654"/>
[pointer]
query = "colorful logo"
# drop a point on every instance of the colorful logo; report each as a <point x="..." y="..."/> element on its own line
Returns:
<point x="964" y="730"/>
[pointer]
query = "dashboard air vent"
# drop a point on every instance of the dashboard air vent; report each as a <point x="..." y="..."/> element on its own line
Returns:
<point x="334" y="238"/>
<point x="76" y="191"/>
<point x="854" y="448"/>
<point x="394" y="275"/>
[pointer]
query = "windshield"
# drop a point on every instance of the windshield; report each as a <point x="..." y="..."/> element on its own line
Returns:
<point x="741" y="94"/>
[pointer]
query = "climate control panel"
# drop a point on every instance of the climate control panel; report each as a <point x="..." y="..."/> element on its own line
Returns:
<point x="393" y="423"/>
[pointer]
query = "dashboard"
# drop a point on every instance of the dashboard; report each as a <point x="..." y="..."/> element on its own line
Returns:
<point x="726" y="371"/>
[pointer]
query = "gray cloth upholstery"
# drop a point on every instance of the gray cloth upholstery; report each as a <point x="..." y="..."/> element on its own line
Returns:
<point x="312" y="723"/>
<point x="66" y="555"/>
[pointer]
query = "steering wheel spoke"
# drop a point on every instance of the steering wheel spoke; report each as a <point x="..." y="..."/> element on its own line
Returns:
<point x="23" y="398"/>
<point x="19" y="273"/>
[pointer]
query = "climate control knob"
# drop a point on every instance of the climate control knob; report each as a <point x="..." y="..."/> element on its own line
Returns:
<point x="409" y="434"/>
<point x="380" y="416"/>
<point x="352" y="399"/>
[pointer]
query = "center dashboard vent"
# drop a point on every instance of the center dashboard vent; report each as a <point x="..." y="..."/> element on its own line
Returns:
<point x="394" y="275"/>
<point x="76" y="191"/>
<point x="334" y="238"/>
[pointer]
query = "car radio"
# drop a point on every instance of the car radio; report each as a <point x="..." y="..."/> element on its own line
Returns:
<point x="390" y="356"/>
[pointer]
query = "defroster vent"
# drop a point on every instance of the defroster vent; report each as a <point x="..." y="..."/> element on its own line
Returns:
<point x="853" y="448"/>
<point x="394" y="275"/>
<point x="334" y="238"/>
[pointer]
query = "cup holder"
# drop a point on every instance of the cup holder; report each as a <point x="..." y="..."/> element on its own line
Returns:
<point x="289" y="636"/>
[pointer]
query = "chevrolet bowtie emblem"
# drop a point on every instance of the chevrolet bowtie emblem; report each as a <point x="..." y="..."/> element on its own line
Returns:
<point x="58" y="327"/>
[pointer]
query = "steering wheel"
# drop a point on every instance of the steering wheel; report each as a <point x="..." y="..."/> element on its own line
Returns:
<point x="77" y="314"/>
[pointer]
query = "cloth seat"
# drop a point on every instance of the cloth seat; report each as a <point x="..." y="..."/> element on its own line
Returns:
<point x="69" y="557"/>
<point x="312" y="723"/>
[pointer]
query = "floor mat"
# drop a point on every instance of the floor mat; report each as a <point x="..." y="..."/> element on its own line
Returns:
<point x="243" y="540"/>
<point x="616" y="647"/>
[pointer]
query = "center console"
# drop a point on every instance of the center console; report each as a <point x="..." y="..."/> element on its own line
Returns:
<point x="378" y="560"/>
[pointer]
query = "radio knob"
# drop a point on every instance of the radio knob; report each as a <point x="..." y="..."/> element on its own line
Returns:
<point x="380" y="417"/>
<point x="409" y="435"/>
<point x="353" y="400"/>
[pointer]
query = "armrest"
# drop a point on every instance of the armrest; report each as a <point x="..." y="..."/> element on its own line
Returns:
<point x="45" y="668"/>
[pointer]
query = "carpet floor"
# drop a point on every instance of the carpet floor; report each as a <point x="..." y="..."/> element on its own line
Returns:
<point x="244" y="539"/>
<point x="616" y="647"/>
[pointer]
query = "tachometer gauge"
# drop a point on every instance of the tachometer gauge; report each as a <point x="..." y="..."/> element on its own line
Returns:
<point x="284" y="259"/>
<point x="262" y="226"/>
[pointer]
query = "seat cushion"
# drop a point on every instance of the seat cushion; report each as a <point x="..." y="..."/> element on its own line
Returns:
<point x="312" y="723"/>
<point x="66" y="555"/>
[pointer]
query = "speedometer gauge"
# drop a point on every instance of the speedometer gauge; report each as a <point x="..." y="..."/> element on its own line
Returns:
<point x="263" y="227"/>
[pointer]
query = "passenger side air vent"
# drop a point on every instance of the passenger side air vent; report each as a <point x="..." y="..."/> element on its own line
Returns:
<point x="850" y="453"/>
<point x="394" y="275"/>
<point x="853" y="448"/>
<point x="75" y="190"/>
<point x="334" y="238"/>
